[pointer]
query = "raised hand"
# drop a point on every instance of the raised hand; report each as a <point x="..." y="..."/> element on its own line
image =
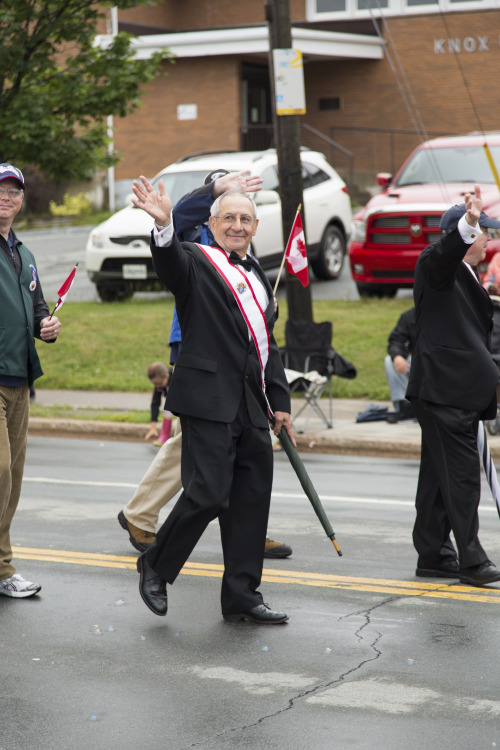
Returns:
<point x="156" y="203"/>
<point x="244" y="181"/>
<point x="473" y="206"/>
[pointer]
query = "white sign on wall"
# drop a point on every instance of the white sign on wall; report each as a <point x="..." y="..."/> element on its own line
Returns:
<point x="187" y="111"/>
<point x="289" y="82"/>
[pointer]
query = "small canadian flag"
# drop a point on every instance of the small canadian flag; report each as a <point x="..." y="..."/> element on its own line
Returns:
<point x="63" y="291"/>
<point x="296" y="253"/>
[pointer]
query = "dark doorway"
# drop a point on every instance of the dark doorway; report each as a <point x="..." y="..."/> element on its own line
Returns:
<point x="256" y="116"/>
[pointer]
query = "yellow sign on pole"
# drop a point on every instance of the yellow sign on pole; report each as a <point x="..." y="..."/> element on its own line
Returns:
<point x="289" y="82"/>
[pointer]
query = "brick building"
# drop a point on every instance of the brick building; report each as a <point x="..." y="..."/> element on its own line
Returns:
<point x="380" y="75"/>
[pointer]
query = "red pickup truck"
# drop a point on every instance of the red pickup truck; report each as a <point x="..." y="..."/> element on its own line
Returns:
<point x="391" y="231"/>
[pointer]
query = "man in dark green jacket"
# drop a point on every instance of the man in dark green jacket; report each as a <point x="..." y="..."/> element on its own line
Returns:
<point x="24" y="315"/>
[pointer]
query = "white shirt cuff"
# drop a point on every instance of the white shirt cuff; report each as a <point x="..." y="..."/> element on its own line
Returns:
<point x="163" y="237"/>
<point x="468" y="234"/>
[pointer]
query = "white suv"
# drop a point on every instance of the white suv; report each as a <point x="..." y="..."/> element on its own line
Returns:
<point x="118" y="257"/>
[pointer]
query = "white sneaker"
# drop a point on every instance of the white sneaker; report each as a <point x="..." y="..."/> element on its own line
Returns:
<point x="18" y="586"/>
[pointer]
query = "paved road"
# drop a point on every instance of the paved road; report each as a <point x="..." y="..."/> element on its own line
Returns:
<point x="371" y="658"/>
<point x="57" y="251"/>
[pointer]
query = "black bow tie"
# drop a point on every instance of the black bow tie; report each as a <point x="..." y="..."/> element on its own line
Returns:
<point x="248" y="263"/>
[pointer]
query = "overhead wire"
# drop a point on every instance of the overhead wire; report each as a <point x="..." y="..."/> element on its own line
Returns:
<point x="472" y="102"/>
<point x="407" y="93"/>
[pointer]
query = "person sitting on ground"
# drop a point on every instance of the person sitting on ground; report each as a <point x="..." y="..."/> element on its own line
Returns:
<point x="397" y="365"/>
<point x="159" y="375"/>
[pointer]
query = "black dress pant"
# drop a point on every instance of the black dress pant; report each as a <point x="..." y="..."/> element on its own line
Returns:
<point x="449" y="486"/>
<point x="227" y="472"/>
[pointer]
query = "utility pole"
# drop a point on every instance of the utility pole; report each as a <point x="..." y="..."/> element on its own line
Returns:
<point x="287" y="141"/>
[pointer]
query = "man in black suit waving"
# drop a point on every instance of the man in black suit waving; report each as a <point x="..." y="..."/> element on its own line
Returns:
<point x="228" y="381"/>
<point x="452" y="386"/>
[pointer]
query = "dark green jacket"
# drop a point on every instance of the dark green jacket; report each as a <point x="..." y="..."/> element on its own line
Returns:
<point x="18" y="355"/>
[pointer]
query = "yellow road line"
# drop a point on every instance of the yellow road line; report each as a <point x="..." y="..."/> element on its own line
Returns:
<point x="271" y="575"/>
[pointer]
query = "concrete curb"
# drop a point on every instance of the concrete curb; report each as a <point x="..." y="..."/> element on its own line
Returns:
<point x="334" y="441"/>
<point x="306" y="442"/>
<point x="86" y="428"/>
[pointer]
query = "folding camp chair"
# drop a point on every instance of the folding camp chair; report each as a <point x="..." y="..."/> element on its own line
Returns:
<point x="310" y="362"/>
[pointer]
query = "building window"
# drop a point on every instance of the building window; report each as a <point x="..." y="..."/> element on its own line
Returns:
<point x="325" y="10"/>
<point x="329" y="102"/>
<point x="330" y="6"/>
<point x="367" y="4"/>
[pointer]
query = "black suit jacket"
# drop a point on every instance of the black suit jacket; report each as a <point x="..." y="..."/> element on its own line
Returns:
<point x="451" y="362"/>
<point x="402" y="336"/>
<point x="217" y="362"/>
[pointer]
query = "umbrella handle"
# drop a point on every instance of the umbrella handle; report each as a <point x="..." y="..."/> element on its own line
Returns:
<point x="336" y="545"/>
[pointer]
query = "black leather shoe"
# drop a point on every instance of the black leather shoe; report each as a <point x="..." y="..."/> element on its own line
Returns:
<point x="152" y="588"/>
<point x="480" y="575"/>
<point x="405" y="412"/>
<point x="261" y="614"/>
<point x="448" y="569"/>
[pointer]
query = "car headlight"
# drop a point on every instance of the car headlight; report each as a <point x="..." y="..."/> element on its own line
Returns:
<point x="358" y="233"/>
<point x="97" y="240"/>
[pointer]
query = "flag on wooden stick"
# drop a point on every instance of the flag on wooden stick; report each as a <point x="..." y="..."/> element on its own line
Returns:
<point x="63" y="291"/>
<point x="296" y="252"/>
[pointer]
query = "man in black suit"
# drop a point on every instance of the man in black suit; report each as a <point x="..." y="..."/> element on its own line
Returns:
<point x="228" y="380"/>
<point x="452" y="386"/>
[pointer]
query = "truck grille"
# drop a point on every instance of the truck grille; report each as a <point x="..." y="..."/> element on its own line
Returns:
<point x="415" y="230"/>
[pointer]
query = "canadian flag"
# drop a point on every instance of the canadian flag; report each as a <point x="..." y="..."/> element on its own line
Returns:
<point x="296" y="253"/>
<point x="63" y="291"/>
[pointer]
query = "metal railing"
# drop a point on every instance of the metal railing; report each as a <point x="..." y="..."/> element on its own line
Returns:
<point x="357" y="153"/>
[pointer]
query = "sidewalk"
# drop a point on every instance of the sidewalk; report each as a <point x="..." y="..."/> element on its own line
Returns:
<point x="345" y="437"/>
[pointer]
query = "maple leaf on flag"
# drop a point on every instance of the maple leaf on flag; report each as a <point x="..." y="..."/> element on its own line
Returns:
<point x="296" y="252"/>
<point x="63" y="291"/>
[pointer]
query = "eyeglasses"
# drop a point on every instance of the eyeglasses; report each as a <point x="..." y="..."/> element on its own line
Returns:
<point x="245" y="219"/>
<point x="13" y="192"/>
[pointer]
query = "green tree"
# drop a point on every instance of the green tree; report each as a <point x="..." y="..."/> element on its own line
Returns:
<point x="57" y="88"/>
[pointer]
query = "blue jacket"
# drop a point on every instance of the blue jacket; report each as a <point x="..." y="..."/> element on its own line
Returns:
<point x="191" y="225"/>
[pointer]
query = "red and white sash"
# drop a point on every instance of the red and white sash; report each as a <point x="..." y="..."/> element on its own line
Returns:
<point x="246" y="300"/>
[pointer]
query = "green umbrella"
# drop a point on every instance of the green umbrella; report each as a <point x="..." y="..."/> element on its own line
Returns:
<point x="307" y="486"/>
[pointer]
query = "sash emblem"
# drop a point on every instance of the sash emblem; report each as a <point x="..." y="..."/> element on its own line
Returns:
<point x="241" y="287"/>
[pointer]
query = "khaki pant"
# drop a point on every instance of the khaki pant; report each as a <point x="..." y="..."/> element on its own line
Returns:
<point x="161" y="483"/>
<point x="14" y="416"/>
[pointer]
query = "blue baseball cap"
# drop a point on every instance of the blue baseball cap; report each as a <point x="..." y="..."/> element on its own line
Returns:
<point x="212" y="176"/>
<point x="452" y="216"/>
<point x="8" y="170"/>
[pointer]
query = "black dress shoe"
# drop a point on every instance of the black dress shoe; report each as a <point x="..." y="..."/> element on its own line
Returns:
<point x="152" y="588"/>
<point x="405" y="412"/>
<point x="261" y="614"/>
<point x="480" y="575"/>
<point x="448" y="569"/>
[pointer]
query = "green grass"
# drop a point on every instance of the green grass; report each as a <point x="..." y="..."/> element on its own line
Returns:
<point x="34" y="221"/>
<point x="99" y="415"/>
<point x="109" y="346"/>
